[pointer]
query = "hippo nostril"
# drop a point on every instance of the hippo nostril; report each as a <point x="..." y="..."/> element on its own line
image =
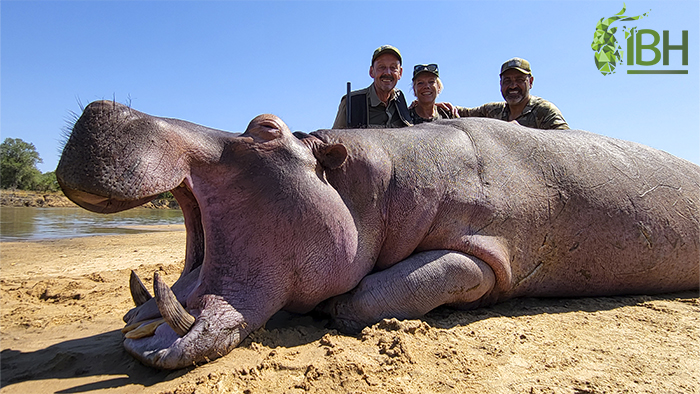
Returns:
<point x="170" y="308"/>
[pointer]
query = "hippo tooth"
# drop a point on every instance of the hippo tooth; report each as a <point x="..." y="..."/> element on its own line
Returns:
<point x="138" y="291"/>
<point x="145" y="329"/>
<point x="170" y="308"/>
<point x="133" y="326"/>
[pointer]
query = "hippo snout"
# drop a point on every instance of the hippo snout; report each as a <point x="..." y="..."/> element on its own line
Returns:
<point x="117" y="158"/>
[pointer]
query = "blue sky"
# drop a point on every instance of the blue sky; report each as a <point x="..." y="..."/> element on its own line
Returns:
<point x="221" y="63"/>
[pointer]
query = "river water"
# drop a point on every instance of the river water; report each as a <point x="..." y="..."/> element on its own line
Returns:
<point x="20" y="224"/>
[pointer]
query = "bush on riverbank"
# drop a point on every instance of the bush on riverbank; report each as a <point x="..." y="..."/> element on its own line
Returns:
<point x="18" y="160"/>
<point x="24" y="198"/>
<point x="162" y="203"/>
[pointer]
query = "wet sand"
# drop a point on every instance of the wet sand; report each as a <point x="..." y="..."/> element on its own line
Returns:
<point x="63" y="302"/>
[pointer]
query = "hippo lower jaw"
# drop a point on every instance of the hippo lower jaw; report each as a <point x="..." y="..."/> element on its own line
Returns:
<point x="214" y="326"/>
<point x="199" y="328"/>
<point x="217" y="330"/>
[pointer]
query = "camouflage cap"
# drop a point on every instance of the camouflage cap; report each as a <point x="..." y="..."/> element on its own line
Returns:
<point x="517" y="63"/>
<point x="386" y="49"/>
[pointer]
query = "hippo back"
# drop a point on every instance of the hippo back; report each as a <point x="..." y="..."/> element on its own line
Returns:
<point x="579" y="213"/>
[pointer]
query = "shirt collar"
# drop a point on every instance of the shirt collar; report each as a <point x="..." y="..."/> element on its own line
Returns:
<point x="528" y="108"/>
<point x="374" y="99"/>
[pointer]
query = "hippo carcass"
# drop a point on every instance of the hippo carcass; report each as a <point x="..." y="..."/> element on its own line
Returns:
<point x="376" y="223"/>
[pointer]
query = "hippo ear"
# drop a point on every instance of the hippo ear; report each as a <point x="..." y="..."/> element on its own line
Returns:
<point x="331" y="156"/>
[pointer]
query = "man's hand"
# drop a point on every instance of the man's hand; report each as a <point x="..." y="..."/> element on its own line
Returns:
<point x="449" y="108"/>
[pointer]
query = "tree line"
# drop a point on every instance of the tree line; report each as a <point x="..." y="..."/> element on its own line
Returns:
<point x="18" y="160"/>
<point x="18" y="171"/>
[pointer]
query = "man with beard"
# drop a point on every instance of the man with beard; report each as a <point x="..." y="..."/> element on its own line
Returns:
<point x="379" y="105"/>
<point x="529" y="111"/>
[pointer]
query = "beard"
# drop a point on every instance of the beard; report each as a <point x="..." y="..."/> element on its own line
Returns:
<point x="514" y="96"/>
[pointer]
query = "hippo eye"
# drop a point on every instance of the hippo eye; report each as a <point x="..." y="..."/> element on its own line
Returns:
<point x="269" y="124"/>
<point x="264" y="130"/>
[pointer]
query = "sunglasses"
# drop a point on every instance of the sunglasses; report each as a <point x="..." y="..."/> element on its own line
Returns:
<point x="425" y="67"/>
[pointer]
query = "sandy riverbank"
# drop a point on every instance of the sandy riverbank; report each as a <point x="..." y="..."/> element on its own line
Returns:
<point x="62" y="303"/>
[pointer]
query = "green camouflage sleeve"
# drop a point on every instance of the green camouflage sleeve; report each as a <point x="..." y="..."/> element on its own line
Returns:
<point x="482" y="111"/>
<point x="549" y="117"/>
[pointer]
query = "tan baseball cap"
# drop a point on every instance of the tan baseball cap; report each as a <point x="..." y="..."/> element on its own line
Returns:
<point x="386" y="49"/>
<point x="517" y="63"/>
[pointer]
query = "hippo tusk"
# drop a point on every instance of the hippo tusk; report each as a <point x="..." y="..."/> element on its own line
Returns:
<point x="138" y="291"/>
<point x="142" y="329"/>
<point x="170" y="308"/>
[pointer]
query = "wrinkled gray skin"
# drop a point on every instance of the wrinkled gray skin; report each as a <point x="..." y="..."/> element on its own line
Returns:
<point x="368" y="224"/>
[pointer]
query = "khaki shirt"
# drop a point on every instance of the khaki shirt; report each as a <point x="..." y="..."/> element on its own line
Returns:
<point x="537" y="114"/>
<point x="380" y="115"/>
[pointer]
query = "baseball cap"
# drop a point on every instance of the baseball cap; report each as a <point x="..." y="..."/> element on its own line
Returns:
<point x="386" y="49"/>
<point x="517" y="63"/>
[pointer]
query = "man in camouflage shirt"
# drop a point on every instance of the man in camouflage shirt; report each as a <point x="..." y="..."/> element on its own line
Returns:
<point x="520" y="106"/>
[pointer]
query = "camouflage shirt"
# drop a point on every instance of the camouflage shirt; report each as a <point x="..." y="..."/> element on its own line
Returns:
<point x="417" y="119"/>
<point x="537" y="114"/>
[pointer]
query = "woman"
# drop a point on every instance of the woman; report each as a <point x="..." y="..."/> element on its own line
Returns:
<point x="426" y="87"/>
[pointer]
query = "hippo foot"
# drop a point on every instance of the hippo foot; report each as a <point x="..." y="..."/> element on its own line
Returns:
<point x="346" y="326"/>
<point x="342" y="315"/>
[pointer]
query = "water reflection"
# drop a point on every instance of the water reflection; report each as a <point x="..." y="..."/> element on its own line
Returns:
<point x="39" y="223"/>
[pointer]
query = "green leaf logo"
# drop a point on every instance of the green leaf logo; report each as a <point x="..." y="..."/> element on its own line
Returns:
<point x="607" y="51"/>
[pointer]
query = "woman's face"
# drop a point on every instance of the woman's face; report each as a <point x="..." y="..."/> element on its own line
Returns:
<point x="425" y="87"/>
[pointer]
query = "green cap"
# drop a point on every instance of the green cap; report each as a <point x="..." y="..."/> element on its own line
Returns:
<point x="386" y="49"/>
<point x="517" y="63"/>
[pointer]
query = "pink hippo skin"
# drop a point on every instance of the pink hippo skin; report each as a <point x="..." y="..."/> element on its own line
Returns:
<point x="376" y="223"/>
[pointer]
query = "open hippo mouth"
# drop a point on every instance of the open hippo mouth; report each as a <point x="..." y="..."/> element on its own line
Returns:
<point x="133" y="157"/>
<point x="161" y="330"/>
<point x="165" y="307"/>
<point x="117" y="158"/>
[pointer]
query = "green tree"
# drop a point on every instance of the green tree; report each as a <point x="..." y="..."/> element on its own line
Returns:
<point x="47" y="182"/>
<point x="18" y="160"/>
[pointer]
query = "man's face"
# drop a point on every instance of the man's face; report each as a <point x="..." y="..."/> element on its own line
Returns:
<point x="515" y="86"/>
<point x="386" y="72"/>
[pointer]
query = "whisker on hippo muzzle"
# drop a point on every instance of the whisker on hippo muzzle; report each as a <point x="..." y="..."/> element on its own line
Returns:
<point x="170" y="308"/>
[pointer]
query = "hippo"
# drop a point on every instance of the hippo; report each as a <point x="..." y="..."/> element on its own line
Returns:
<point x="368" y="224"/>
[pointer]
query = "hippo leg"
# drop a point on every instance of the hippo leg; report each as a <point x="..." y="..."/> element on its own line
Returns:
<point x="411" y="288"/>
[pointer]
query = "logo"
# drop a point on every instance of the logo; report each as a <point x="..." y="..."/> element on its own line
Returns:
<point x="608" y="52"/>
